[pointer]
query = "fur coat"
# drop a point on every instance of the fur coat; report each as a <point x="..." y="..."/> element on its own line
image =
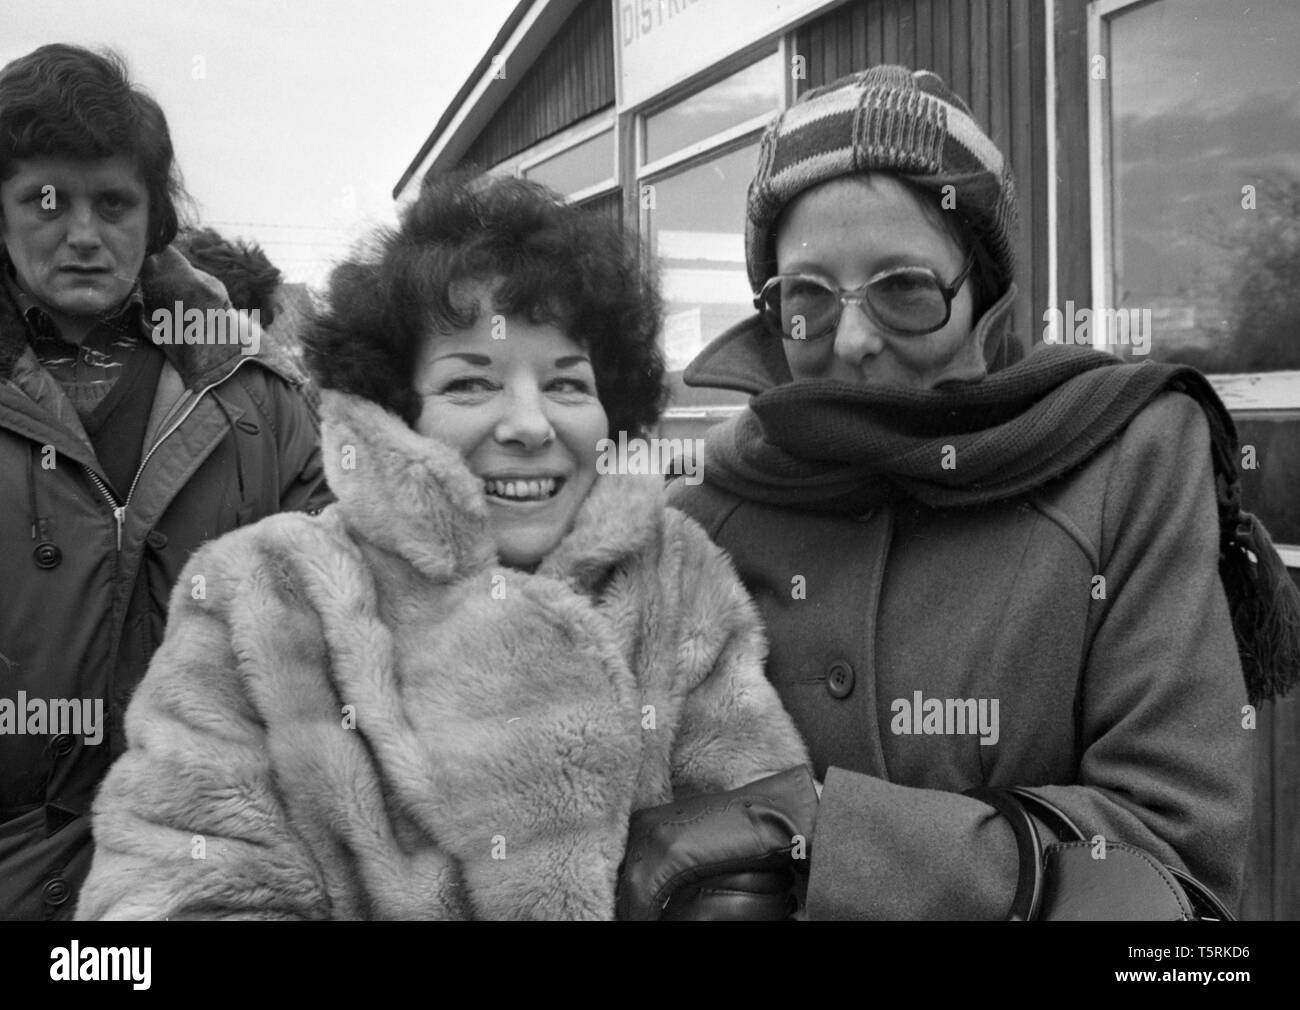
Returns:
<point x="360" y="714"/>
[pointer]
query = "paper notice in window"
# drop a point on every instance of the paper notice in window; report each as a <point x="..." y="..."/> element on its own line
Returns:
<point x="683" y="338"/>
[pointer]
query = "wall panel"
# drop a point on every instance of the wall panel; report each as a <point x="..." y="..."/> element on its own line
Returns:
<point x="573" y="78"/>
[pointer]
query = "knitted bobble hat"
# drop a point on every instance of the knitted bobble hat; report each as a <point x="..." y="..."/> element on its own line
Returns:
<point x="884" y="119"/>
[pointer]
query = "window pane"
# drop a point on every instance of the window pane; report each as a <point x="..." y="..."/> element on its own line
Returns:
<point x="1270" y="473"/>
<point x="697" y="229"/>
<point x="1204" y="104"/>
<point x="607" y="205"/>
<point x="742" y="96"/>
<point x="582" y="165"/>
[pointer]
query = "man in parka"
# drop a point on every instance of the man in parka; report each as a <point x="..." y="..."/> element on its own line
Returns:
<point x="137" y="420"/>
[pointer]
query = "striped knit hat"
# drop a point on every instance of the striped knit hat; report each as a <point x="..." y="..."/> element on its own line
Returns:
<point x="888" y="119"/>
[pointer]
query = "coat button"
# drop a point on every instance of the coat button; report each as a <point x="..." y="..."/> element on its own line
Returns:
<point x="156" y="540"/>
<point x="47" y="555"/>
<point x="840" y="679"/>
<point x="61" y="745"/>
<point x="56" y="891"/>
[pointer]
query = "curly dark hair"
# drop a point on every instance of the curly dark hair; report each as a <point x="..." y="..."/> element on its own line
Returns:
<point x="251" y="279"/>
<point x="551" y="262"/>
<point x="63" y="101"/>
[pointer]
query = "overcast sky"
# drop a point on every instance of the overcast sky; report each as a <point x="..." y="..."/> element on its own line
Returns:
<point x="292" y="119"/>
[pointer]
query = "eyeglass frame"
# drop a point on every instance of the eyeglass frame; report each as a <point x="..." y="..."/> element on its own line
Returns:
<point x="859" y="295"/>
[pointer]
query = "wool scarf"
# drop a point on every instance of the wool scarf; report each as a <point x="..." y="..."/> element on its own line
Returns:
<point x="831" y="446"/>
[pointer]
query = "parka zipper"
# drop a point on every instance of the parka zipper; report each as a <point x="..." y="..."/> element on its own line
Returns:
<point x="119" y="510"/>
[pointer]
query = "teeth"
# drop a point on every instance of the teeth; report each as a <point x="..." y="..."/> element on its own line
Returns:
<point x="521" y="490"/>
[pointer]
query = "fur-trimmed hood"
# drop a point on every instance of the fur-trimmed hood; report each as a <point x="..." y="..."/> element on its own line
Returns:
<point x="366" y="716"/>
<point x="166" y="278"/>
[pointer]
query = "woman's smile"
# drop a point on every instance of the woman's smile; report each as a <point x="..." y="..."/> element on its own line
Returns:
<point x="517" y="491"/>
<point x="523" y="413"/>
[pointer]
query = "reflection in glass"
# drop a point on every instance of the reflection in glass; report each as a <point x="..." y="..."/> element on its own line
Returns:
<point x="736" y="99"/>
<point x="696" y="230"/>
<point x="1206" y="180"/>
<point x="583" y="165"/>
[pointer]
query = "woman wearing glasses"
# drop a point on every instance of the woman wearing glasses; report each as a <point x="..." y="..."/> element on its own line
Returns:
<point x="974" y="571"/>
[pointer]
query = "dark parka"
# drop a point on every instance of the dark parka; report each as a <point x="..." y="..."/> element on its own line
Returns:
<point x="1121" y="700"/>
<point x="85" y="577"/>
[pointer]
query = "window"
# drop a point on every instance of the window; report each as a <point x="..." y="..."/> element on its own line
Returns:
<point x="697" y="234"/>
<point x="696" y="156"/>
<point x="1196" y="119"/>
<point x="581" y="168"/>
<point x="1194" y="116"/>
<point x="753" y="92"/>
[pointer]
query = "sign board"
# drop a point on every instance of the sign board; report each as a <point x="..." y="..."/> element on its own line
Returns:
<point x="662" y="42"/>
<point x="683" y="338"/>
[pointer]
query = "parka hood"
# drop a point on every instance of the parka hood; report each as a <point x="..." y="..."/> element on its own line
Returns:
<point x="166" y="278"/>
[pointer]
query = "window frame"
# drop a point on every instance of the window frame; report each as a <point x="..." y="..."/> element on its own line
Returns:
<point x="604" y="121"/>
<point x="733" y="138"/>
<point x="1247" y="393"/>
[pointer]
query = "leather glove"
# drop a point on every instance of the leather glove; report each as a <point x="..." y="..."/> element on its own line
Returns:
<point x="724" y="851"/>
<point x="752" y="896"/>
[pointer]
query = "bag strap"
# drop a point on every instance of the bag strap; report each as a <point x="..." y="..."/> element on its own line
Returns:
<point x="1023" y="808"/>
<point x="1029" y="844"/>
<point x="1205" y="902"/>
<point x="1049" y="813"/>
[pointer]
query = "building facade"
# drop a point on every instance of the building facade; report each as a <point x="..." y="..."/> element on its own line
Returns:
<point x="1154" y="148"/>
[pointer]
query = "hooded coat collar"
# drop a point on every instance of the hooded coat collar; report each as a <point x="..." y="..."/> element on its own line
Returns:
<point x="166" y="278"/>
<point x="414" y="496"/>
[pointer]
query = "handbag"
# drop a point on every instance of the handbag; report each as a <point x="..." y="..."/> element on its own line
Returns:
<point x="1078" y="880"/>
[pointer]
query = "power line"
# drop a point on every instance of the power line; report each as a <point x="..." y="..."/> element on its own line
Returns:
<point x="299" y="227"/>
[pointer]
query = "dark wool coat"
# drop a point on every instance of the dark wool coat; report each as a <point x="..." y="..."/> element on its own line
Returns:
<point x="230" y="440"/>
<point x="1122" y="701"/>
<point x="364" y="716"/>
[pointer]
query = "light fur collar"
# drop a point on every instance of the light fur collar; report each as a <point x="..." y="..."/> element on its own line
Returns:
<point x="414" y="496"/>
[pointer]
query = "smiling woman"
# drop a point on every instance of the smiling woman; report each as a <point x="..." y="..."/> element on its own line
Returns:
<point x="520" y="405"/>
<point x="445" y="696"/>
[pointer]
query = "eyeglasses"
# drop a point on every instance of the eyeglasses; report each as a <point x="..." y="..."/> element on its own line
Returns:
<point x="907" y="300"/>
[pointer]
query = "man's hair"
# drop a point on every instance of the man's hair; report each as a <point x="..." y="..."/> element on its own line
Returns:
<point x="251" y="279"/>
<point x="550" y="262"/>
<point x="63" y="101"/>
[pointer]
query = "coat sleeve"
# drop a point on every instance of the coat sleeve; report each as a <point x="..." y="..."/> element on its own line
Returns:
<point x="189" y="822"/>
<point x="1164" y="753"/>
<point x="732" y="728"/>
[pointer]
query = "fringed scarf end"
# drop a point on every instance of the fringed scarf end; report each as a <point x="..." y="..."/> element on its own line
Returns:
<point x="1265" y="606"/>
